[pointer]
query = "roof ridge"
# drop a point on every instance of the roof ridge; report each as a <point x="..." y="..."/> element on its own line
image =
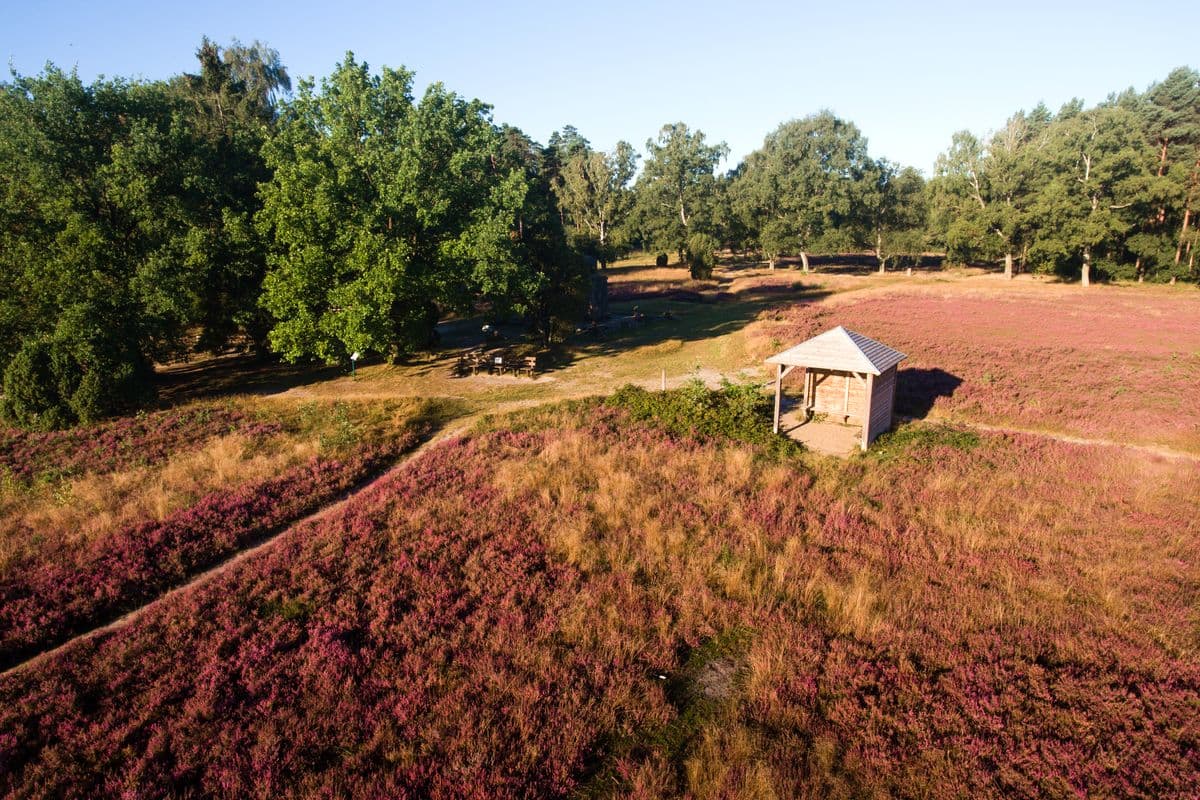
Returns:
<point x="875" y="356"/>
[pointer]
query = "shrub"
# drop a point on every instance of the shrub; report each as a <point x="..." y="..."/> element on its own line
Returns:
<point x="700" y="255"/>
<point x="735" y="411"/>
<point x="54" y="383"/>
<point x="660" y="260"/>
<point x="31" y="398"/>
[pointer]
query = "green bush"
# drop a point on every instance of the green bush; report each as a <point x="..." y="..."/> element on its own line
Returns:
<point x="735" y="411"/>
<point x="54" y="383"/>
<point x="701" y="255"/>
<point x="31" y="396"/>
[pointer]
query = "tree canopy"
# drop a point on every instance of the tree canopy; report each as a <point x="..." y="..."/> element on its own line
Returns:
<point x="146" y="221"/>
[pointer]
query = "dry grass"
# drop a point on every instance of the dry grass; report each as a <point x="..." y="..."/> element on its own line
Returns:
<point x="87" y="507"/>
<point x="71" y="512"/>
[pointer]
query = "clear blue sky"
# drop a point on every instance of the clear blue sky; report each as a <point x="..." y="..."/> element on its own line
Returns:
<point x="908" y="73"/>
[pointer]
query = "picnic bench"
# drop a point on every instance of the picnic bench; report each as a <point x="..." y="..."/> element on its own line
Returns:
<point x="471" y="361"/>
<point x="517" y="365"/>
<point x="496" y="363"/>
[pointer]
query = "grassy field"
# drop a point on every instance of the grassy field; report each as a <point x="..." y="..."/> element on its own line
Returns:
<point x="591" y="598"/>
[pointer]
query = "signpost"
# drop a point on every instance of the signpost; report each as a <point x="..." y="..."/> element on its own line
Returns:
<point x="353" y="362"/>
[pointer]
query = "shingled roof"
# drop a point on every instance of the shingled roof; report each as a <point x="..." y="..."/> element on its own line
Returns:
<point x="840" y="349"/>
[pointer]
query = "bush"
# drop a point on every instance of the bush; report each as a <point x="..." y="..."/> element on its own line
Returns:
<point x="660" y="260"/>
<point x="735" y="411"/>
<point x="700" y="255"/>
<point x="54" y="383"/>
<point x="31" y="396"/>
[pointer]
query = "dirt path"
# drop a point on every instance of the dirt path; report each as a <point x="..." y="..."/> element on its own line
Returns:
<point x="1149" y="449"/>
<point x="456" y="428"/>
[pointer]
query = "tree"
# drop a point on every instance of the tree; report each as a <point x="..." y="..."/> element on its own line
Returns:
<point x="382" y="213"/>
<point x="892" y="210"/>
<point x="728" y="225"/>
<point x="802" y="183"/>
<point x="1171" y="112"/>
<point x="1094" y="157"/>
<point x="233" y="102"/>
<point x="676" y="186"/>
<point x="981" y="193"/>
<point x="345" y="220"/>
<point x="523" y="264"/>
<point x="562" y="145"/>
<point x="119" y="221"/>
<point x="592" y="188"/>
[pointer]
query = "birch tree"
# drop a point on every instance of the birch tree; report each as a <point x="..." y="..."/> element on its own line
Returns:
<point x="676" y="185"/>
<point x="592" y="188"/>
<point x="1095" y="157"/>
<point x="981" y="190"/>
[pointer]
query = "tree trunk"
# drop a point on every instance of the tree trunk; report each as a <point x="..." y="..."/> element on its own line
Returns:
<point x="1139" y="270"/>
<point x="804" y="261"/>
<point x="879" y="253"/>
<point x="771" y="263"/>
<point x="1187" y="210"/>
<point x="1087" y="266"/>
<point x="1008" y="265"/>
<point x="1187" y="218"/>
<point x="1162" y="170"/>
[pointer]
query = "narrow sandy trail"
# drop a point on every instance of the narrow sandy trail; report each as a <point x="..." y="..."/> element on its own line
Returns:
<point x="1149" y="449"/>
<point x="455" y="428"/>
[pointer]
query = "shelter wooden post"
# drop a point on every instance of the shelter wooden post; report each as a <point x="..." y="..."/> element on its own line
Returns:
<point x="778" y="392"/>
<point x="866" y="419"/>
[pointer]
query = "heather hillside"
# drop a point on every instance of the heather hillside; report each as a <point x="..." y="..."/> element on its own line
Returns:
<point x="96" y="521"/>
<point x="571" y="601"/>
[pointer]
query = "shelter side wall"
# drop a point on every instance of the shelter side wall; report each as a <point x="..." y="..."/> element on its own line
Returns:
<point x="830" y="396"/>
<point x="882" y="396"/>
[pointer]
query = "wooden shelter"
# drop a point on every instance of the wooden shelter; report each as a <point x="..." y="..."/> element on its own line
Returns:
<point x="846" y="375"/>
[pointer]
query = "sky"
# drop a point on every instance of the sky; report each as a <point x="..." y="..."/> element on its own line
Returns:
<point x="908" y="74"/>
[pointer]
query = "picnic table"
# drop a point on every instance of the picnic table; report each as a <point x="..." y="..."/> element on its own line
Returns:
<point x="496" y="363"/>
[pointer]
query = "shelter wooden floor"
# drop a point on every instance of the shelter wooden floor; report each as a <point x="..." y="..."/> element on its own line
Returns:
<point x="830" y="438"/>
